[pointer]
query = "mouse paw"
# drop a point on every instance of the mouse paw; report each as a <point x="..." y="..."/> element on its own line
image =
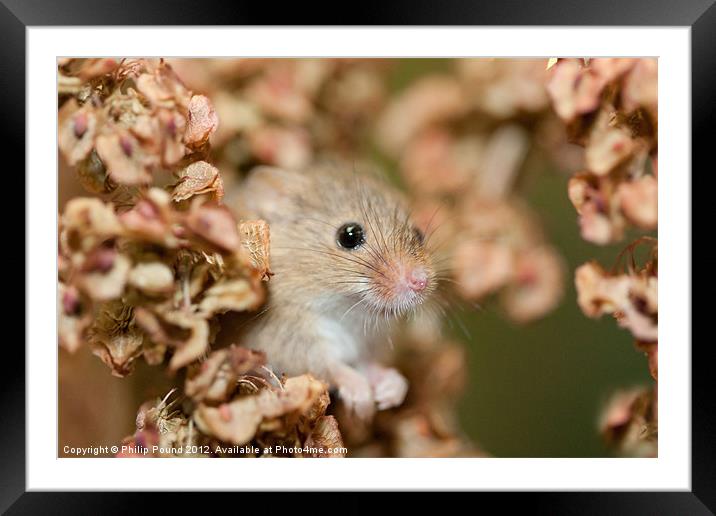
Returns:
<point x="389" y="387"/>
<point x="358" y="399"/>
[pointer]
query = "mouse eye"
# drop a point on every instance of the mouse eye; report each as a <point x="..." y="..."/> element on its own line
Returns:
<point x="350" y="235"/>
<point x="419" y="235"/>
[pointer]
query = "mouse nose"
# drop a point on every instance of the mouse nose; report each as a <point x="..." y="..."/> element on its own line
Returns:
<point x="417" y="279"/>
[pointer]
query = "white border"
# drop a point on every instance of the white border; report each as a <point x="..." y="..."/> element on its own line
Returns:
<point x="670" y="471"/>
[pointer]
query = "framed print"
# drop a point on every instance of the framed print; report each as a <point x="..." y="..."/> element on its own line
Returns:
<point x="373" y="257"/>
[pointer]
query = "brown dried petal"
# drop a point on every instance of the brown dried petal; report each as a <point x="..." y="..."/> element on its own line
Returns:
<point x="255" y="239"/>
<point x="151" y="219"/>
<point x="73" y="319"/>
<point x="122" y="156"/>
<point x="236" y="422"/>
<point x="77" y="130"/>
<point x="230" y="295"/>
<point x="435" y="163"/>
<point x="628" y="422"/>
<point x="278" y="94"/>
<point x="639" y="314"/>
<point x="162" y="87"/>
<point x="582" y="188"/>
<point x="216" y="378"/>
<point x="207" y="383"/>
<point x="239" y="421"/>
<point x="632" y="299"/>
<point x="92" y="68"/>
<point x="198" y="178"/>
<point x="93" y="176"/>
<point x="416" y="437"/>
<point x="607" y="148"/>
<point x="537" y="287"/>
<point x="481" y="267"/>
<point x="173" y="126"/>
<point x="104" y="275"/>
<point x="651" y="350"/>
<point x="287" y="148"/>
<point x="610" y="68"/>
<point x="214" y="224"/>
<point x="115" y="338"/>
<point x="641" y="87"/>
<point x="87" y="222"/>
<point x="325" y="436"/>
<point x="639" y="201"/>
<point x="574" y="90"/>
<point x="597" y="227"/>
<point x="429" y="100"/>
<point x="596" y="293"/>
<point x="504" y="154"/>
<point x="203" y="121"/>
<point x="156" y="330"/>
<point x="152" y="278"/>
<point x="197" y="342"/>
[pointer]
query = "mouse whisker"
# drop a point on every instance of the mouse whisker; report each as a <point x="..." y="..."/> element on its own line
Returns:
<point x="361" y="300"/>
<point x="353" y="259"/>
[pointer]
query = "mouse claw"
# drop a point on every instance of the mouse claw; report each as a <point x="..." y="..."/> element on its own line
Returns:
<point x="358" y="399"/>
<point x="389" y="387"/>
<point x="355" y="391"/>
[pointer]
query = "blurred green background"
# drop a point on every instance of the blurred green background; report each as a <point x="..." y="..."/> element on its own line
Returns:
<point x="537" y="390"/>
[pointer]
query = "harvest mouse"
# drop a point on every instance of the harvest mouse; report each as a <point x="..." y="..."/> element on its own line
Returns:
<point x="346" y="261"/>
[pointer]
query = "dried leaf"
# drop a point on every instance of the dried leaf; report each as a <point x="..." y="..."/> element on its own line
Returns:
<point x="198" y="178"/>
<point x="255" y="239"/>
<point x="115" y="338"/>
<point x="203" y="121"/>
<point x="325" y="436"/>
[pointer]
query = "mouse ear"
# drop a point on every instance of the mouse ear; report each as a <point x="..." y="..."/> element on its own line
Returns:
<point x="267" y="190"/>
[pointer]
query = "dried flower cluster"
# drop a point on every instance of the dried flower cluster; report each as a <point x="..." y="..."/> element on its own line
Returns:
<point x="149" y="269"/>
<point x="629" y="422"/>
<point x="461" y="140"/>
<point x="233" y="406"/>
<point x="289" y="112"/>
<point x="425" y="425"/>
<point x="610" y="107"/>
<point x="120" y="122"/>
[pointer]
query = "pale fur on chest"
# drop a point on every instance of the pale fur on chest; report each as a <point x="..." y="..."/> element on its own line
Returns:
<point x="308" y="338"/>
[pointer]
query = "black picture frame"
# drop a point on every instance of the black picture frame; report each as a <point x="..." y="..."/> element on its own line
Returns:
<point x="17" y="15"/>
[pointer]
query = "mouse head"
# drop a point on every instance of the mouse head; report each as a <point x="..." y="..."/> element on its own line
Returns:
<point x="340" y="235"/>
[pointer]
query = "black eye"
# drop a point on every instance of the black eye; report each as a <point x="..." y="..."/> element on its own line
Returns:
<point x="419" y="235"/>
<point x="350" y="235"/>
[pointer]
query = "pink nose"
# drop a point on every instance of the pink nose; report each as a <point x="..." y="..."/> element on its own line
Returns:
<point x="417" y="279"/>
